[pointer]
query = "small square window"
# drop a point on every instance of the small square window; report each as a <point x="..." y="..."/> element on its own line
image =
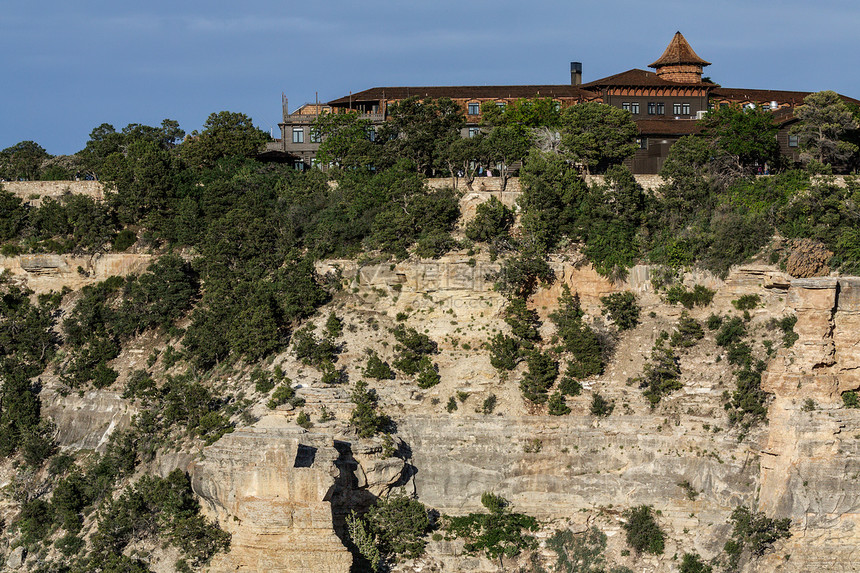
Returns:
<point x="642" y="142"/>
<point x="634" y="108"/>
<point x="474" y="131"/>
<point x="625" y="105"/>
<point x="661" y="109"/>
<point x="474" y="108"/>
<point x="315" y="135"/>
<point x="501" y="104"/>
<point x="676" y="109"/>
<point x="298" y="135"/>
<point x="793" y="140"/>
<point x="685" y="109"/>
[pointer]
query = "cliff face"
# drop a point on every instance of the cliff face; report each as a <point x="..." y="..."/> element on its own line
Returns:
<point x="283" y="492"/>
<point x="810" y="467"/>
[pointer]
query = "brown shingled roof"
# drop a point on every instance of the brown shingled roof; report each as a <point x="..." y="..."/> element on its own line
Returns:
<point x="678" y="52"/>
<point x="668" y="126"/>
<point x="637" y="77"/>
<point x="467" y="92"/>
<point x="781" y="96"/>
<point x="751" y="95"/>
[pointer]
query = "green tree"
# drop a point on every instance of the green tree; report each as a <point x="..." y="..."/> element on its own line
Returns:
<point x="622" y="309"/>
<point x="497" y="534"/>
<point x="414" y="126"/>
<point x="492" y="221"/>
<point x="142" y="184"/>
<point x="753" y="532"/>
<point x="399" y="524"/>
<point x="167" y="136"/>
<point x="506" y="146"/>
<point x="365" y="417"/>
<point x="552" y="193"/>
<point x="23" y="161"/>
<point x="225" y="134"/>
<point x="529" y="113"/>
<point x="577" y="337"/>
<point x="557" y="406"/>
<point x="825" y="120"/>
<point x="104" y="141"/>
<point x="643" y="532"/>
<point x="519" y="276"/>
<point x="539" y="378"/>
<point x="345" y="141"/>
<point x="746" y="134"/>
<point x="692" y="563"/>
<point x="13" y="215"/>
<point x="464" y="156"/>
<point x="597" y="135"/>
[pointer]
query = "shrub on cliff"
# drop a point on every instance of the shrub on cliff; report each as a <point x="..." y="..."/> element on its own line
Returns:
<point x="692" y="563"/>
<point x="311" y="350"/>
<point x="497" y="534"/>
<point x="366" y="418"/>
<point x="492" y="221"/>
<point x="376" y="368"/>
<point x="520" y="275"/>
<point x="399" y="524"/>
<point x="688" y="332"/>
<point x="411" y="347"/>
<point x="505" y="352"/>
<point x="643" y="533"/>
<point x="577" y="337"/>
<point x="622" y="309"/>
<point x="539" y="378"/>
<point x="753" y="532"/>
<point x="662" y="373"/>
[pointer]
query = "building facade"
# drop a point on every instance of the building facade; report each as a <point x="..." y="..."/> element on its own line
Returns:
<point x="665" y="104"/>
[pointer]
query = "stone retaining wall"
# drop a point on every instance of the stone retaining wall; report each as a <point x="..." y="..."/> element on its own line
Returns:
<point x="35" y="191"/>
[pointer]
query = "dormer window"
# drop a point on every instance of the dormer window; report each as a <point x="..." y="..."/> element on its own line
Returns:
<point x="474" y="108"/>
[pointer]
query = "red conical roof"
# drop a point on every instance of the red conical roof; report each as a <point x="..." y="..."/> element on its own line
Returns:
<point x="679" y="52"/>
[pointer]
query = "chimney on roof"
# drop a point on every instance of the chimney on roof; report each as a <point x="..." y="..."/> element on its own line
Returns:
<point x="575" y="73"/>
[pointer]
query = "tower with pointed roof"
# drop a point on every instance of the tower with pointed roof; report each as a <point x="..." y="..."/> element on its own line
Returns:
<point x="679" y="63"/>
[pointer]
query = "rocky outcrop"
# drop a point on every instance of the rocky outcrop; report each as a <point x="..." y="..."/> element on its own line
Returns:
<point x="44" y="273"/>
<point x="808" y="258"/>
<point x="86" y="420"/>
<point x="271" y="487"/>
<point x="810" y="467"/>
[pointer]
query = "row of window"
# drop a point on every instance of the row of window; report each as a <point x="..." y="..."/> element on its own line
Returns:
<point x="299" y="135"/>
<point x="474" y="108"/>
<point x="657" y="108"/>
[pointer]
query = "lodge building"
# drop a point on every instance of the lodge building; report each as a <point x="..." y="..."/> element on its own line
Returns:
<point x="664" y="103"/>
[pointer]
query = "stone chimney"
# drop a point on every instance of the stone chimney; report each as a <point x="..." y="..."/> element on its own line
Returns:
<point x="575" y="73"/>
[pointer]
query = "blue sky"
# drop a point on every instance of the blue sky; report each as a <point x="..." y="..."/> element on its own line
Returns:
<point x="70" y="66"/>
